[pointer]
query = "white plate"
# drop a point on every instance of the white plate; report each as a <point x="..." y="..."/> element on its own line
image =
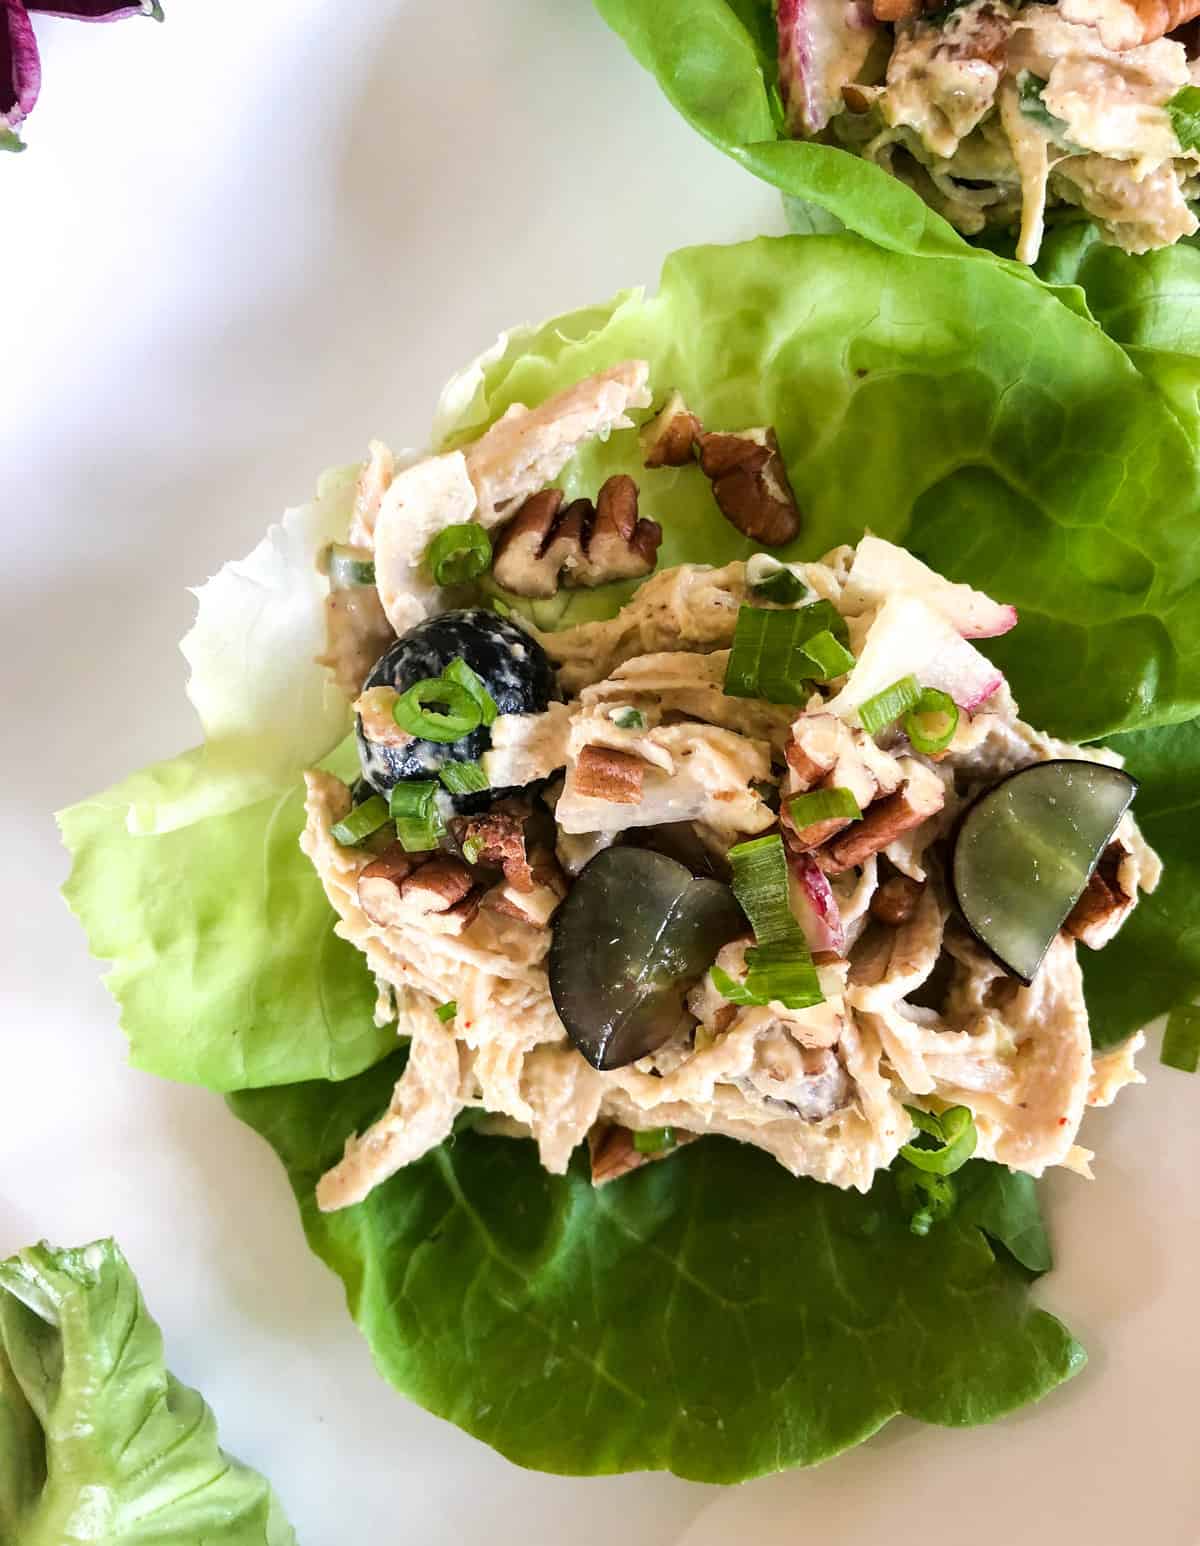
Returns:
<point x="238" y="245"/>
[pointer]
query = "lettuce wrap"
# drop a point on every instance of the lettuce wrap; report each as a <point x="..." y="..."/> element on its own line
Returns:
<point x="717" y="63"/>
<point x="711" y="1316"/>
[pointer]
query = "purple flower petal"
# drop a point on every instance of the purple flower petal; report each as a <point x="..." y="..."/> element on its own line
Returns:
<point x="96" y="10"/>
<point x="20" y="67"/>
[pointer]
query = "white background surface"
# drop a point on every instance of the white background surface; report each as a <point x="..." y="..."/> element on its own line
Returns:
<point x="239" y="245"/>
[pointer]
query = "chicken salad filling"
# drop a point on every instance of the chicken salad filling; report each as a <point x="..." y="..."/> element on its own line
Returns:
<point x="998" y="114"/>
<point x="769" y="854"/>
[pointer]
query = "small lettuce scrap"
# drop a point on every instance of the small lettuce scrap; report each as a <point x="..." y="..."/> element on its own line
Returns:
<point x="710" y="1316"/>
<point x="98" y="1442"/>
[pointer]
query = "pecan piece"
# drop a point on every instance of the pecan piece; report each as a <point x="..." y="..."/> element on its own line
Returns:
<point x="545" y="546"/>
<point x="620" y="545"/>
<point x="613" y="1155"/>
<point x="914" y="802"/>
<point x="896" y="10"/>
<point x="750" y="484"/>
<point x="602" y="773"/>
<point x="536" y="903"/>
<point x="896" y="900"/>
<point x="522" y="562"/>
<point x="437" y="885"/>
<point x="498" y="837"/>
<point x="1104" y="903"/>
<point x="669" y="438"/>
<point x="379" y="884"/>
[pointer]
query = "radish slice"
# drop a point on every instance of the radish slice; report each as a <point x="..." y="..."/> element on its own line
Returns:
<point x="881" y="569"/>
<point x="815" y="905"/>
<point x="823" y="44"/>
<point x="908" y="638"/>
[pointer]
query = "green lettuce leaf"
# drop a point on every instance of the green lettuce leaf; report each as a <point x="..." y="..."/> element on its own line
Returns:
<point x="226" y="967"/>
<point x="945" y="405"/>
<point x="98" y="1442"/>
<point x="949" y="406"/>
<point x="710" y="1315"/>
<point x="1154" y="962"/>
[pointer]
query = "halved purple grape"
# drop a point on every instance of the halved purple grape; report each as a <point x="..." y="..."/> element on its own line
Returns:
<point x="1025" y="850"/>
<point x="635" y="933"/>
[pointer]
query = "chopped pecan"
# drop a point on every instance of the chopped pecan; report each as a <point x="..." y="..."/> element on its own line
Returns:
<point x="620" y="544"/>
<point x="750" y="484"/>
<point x="602" y="773"/>
<point x="498" y="837"/>
<point x="379" y="884"/>
<point x="669" y="438"/>
<point x="896" y="900"/>
<point x="437" y="885"/>
<point x="896" y="10"/>
<point x="1099" y="911"/>
<point x="545" y="546"/>
<point x="537" y="903"/>
<point x="613" y="1155"/>
<point x="810" y="762"/>
<point x="913" y="803"/>
<point x="522" y="561"/>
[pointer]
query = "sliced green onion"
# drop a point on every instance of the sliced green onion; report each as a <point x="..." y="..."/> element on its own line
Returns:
<point x="830" y="658"/>
<point x="459" y="553"/>
<point x="772" y="581"/>
<point x="765" y="661"/>
<point x="361" y="822"/>
<point x="472" y="848"/>
<point x="779" y="967"/>
<point x="729" y="987"/>
<point x="823" y="617"/>
<point x="760" y="883"/>
<point x="348" y="567"/>
<point x="886" y="707"/>
<point x="654" y="1140"/>
<point x="926" y="1198"/>
<point x="823" y="805"/>
<point x="418" y="820"/>
<point x="628" y="719"/>
<point x="931" y="724"/>
<point x="447" y="1011"/>
<point x="463" y="777"/>
<point x="1181" y="1040"/>
<point x="417" y="710"/>
<point x="1184" y="111"/>
<point x="946" y="1142"/>
<point x="460" y="673"/>
<point x="784" y="974"/>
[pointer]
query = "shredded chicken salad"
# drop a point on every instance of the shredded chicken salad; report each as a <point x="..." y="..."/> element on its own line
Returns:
<point x="768" y="854"/>
<point x="997" y="113"/>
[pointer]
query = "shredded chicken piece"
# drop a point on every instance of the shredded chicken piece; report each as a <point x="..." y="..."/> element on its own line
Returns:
<point x="528" y="447"/>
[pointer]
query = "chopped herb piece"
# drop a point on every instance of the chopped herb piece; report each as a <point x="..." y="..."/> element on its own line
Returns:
<point x="945" y="1143"/>
<point x="886" y="707"/>
<point x="463" y="777"/>
<point x="437" y="709"/>
<point x="447" y="1011"/>
<point x="931" y="723"/>
<point x="459" y="553"/>
<point x="828" y="656"/>
<point x="460" y="673"/>
<point x="628" y="718"/>
<point x="654" y="1140"/>
<point x="823" y="805"/>
<point x="414" y="810"/>
<point x="358" y="825"/>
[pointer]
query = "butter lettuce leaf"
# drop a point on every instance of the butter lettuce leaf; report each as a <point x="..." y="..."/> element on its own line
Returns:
<point x="1153" y="965"/>
<point x="709" y="1315"/>
<point x="226" y="968"/>
<point x="98" y="1442"/>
